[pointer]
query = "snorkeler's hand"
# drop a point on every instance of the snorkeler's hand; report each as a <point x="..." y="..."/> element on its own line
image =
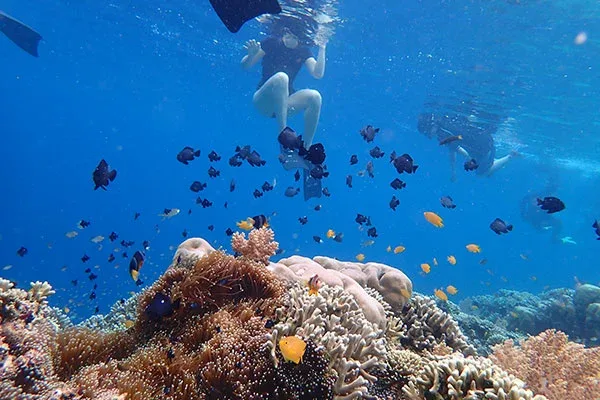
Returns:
<point x="252" y="47"/>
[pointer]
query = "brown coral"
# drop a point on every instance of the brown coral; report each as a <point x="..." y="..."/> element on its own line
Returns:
<point x="260" y="245"/>
<point x="553" y="366"/>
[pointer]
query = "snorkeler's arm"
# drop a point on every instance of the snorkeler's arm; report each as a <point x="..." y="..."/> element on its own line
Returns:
<point x="317" y="67"/>
<point x="255" y="54"/>
<point x="463" y="152"/>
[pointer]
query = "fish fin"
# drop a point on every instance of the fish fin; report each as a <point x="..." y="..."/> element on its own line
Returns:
<point x="20" y="34"/>
<point x="112" y="175"/>
<point x="509" y="227"/>
<point x="234" y="13"/>
<point x="197" y="153"/>
<point x="414" y="168"/>
<point x="595" y="224"/>
<point x="185" y="162"/>
<point x="376" y="130"/>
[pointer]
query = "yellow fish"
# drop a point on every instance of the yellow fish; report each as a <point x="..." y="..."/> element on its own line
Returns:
<point x="452" y="260"/>
<point x="405" y="293"/>
<point x="473" y="248"/>
<point x="292" y="348"/>
<point x="360" y="257"/>
<point x="399" y="249"/>
<point x="451" y="290"/>
<point x="439" y="293"/>
<point x="330" y="233"/>
<point x="246" y="225"/>
<point x="435" y="261"/>
<point x="128" y="323"/>
<point x="434" y="219"/>
<point x="426" y="268"/>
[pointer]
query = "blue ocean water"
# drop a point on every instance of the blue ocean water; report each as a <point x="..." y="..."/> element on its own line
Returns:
<point x="135" y="82"/>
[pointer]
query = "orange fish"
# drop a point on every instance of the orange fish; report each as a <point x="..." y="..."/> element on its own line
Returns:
<point x="292" y="348"/>
<point x="399" y="249"/>
<point x="360" y="257"/>
<point x="330" y="233"/>
<point x="452" y="260"/>
<point x="473" y="248"/>
<point x="426" y="268"/>
<point x="439" y="293"/>
<point x="451" y="290"/>
<point x="434" y="219"/>
<point x="128" y="323"/>
<point x="314" y="283"/>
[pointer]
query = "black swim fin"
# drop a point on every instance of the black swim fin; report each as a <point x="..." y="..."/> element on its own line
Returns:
<point x="234" y="13"/>
<point x="312" y="186"/>
<point x="22" y="35"/>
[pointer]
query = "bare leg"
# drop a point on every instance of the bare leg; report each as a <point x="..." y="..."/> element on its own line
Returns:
<point x="309" y="101"/>
<point x="499" y="163"/>
<point x="272" y="98"/>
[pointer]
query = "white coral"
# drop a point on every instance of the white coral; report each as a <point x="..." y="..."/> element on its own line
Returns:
<point x="40" y="291"/>
<point x="334" y="320"/>
<point x="5" y="285"/>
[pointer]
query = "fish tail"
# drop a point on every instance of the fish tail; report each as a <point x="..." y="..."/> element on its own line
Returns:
<point x="539" y="202"/>
<point x="509" y="227"/>
<point x="113" y="175"/>
<point x="197" y="153"/>
<point x="414" y="168"/>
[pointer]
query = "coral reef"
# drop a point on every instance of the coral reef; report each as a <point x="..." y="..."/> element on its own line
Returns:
<point x="553" y="366"/>
<point x="260" y="245"/>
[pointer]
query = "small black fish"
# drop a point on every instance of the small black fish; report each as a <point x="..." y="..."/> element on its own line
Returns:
<point x="224" y="205"/>
<point x="84" y="224"/>
<point x="368" y="133"/>
<point x="500" y="226"/>
<point x="405" y="163"/>
<point x="319" y="172"/>
<point x="303" y="220"/>
<point x="326" y="192"/>
<point x="113" y="236"/>
<point x="392" y="156"/>
<point x="338" y="237"/>
<point x="85" y="258"/>
<point x="211" y="228"/>
<point x="88" y="270"/>
<point x="228" y="232"/>
<point x="213" y="173"/>
<point x="22" y="251"/>
<point x="74" y="282"/>
<point x="197" y="186"/>
<point x="394" y="202"/>
<point x="596" y="227"/>
<point x="551" y="204"/>
<point x="170" y="353"/>
<point x="260" y="221"/>
<point x="257" y="193"/>
<point x="397" y="184"/>
<point x="95" y="286"/>
<point x="376" y="152"/>
<point x="124" y="254"/>
<point x="136" y="263"/>
<point x="291" y="191"/>
<point x="160" y="307"/>
<point x="447" y="202"/>
<point x="136" y="216"/>
<point x="187" y="154"/>
<point x="317" y="239"/>
<point x="269" y="324"/>
<point x="254" y="159"/>
<point x="213" y="156"/>
<point x="125" y="243"/>
<point x="450" y="139"/>
<point x="232" y="185"/>
<point x="370" y="168"/>
<point x="96" y="310"/>
<point x="361" y="219"/>
<point x="289" y="140"/>
<point x="349" y="181"/>
<point x="297" y="176"/>
<point x="372" y="232"/>
<point x="92" y="277"/>
<point x="353" y="159"/>
<point x="266" y="187"/>
<point x="235" y="161"/>
<point x="184" y="233"/>
<point x="92" y="295"/>
<point x="146" y="245"/>
<point x="111" y="257"/>
<point x="318" y="207"/>
<point x="315" y="154"/>
<point x="189" y="211"/>
<point x="471" y="165"/>
<point x="102" y="176"/>
<point x="205" y="203"/>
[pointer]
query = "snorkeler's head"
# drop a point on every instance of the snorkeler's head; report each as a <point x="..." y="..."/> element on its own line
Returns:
<point x="290" y="40"/>
<point x="427" y="124"/>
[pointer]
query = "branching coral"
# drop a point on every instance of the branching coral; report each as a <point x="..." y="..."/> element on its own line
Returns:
<point x="334" y="320"/>
<point x="553" y="366"/>
<point x="260" y="245"/>
<point x="455" y="377"/>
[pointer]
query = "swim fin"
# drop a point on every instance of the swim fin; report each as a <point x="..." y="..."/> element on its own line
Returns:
<point x="312" y="186"/>
<point x="234" y="13"/>
<point x="22" y="35"/>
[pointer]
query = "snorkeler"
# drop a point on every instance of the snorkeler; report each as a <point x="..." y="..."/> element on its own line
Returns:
<point x="283" y="54"/>
<point x="21" y="35"/>
<point x="461" y="136"/>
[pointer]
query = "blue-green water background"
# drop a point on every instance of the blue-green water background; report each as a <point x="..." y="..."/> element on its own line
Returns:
<point x="134" y="82"/>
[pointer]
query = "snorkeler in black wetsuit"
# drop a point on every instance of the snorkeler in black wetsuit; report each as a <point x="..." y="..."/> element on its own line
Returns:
<point x="476" y="143"/>
<point x="283" y="55"/>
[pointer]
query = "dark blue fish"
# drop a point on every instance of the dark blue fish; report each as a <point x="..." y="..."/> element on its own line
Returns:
<point x="405" y="163"/>
<point x="368" y="133"/>
<point x="349" y="181"/>
<point x="213" y="156"/>
<point x="499" y="226"/>
<point x="291" y="191"/>
<point x="447" y="202"/>
<point x="113" y="236"/>
<point x="372" y="232"/>
<point x="160" y="307"/>
<point x="551" y="204"/>
<point x="232" y="185"/>
<point x="213" y="173"/>
<point x="596" y="227"/>
<point x="394" y="202"/>
<point x="260" y="221"/>
<point x="267" y="187"/>
<point x="353" y="159"/>
<point x="303" y="220"/>
<point x="187" y="154"/>
<point x="289" y="140"/>
<point x="197" y="186"/>
<point x="22" y="251"/>
<point x="397" y="184"/>
<point x="257" y="193"/>
<point x="471" y="165"/>
<point x="376" y="152"/>
<point x="102" y="175"/>
<point x="319" y="172"/>
<point x="315" y="154"/>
